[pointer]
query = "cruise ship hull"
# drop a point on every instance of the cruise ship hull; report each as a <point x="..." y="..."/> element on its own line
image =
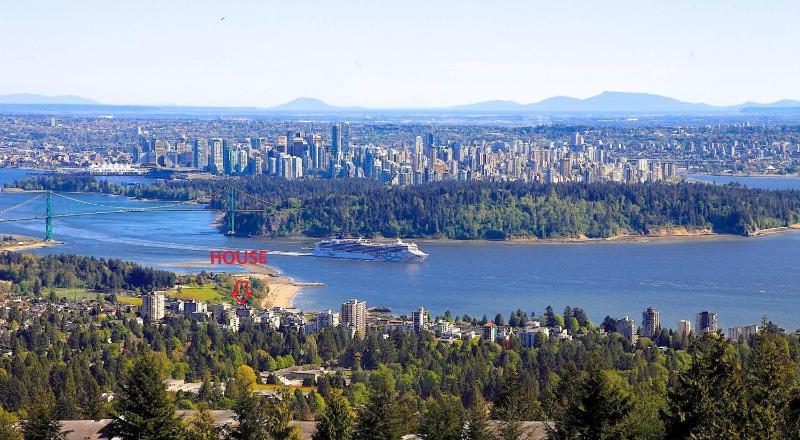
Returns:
<point x="359" y="249"/>
<point x="370" y="257"/>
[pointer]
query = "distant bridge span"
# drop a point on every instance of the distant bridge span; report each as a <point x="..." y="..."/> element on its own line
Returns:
<point x="50" y="205"/>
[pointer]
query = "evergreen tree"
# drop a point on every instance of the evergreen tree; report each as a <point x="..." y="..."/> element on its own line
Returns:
<point x="248" y="414"/>
<point x="597" y="408"/>
<point x="90" y="399"/>
<point x="476" y="426"/>
<point x="379" y="419"/>
<point x="206" y="388"/>
<point x="771" y="379"/>
<point x="277" y="419"/>
<point x="144" y="408"/>
<point x="40" y="422"/>
<point x="337" y="422"/>
<point x="794" y="415"/>
<point x="708" y="399"/>
<point x="201" y="426"/>
<point x="67" y="407"/>
<point x="511" y="429"/>
<point x="443" y="419"/>
<point x="519" y="397"/>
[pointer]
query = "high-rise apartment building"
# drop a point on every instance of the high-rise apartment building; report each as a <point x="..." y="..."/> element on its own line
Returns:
<point x="336" y="142"/>
<point x="200" y="154"/>
<point x="354" y="314"/>
<point x="706" y="322"/>
<point x="651" y="322"/>
<point x="684" y="328"/>
<point x="215" y="155"/>
<point x="429" y="143"/>
<point x="345" y="136"/>
<point x="153" y="306"/>
<point x="418" y="317"/>
<point x="627" y="328"/>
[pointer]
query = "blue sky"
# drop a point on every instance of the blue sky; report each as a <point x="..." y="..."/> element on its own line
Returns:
<point x="403" y="53"/>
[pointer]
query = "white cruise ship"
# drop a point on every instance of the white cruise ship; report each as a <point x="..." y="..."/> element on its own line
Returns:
<point x="362" y="249"/>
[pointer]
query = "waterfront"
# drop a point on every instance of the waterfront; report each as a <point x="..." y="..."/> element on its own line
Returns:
<point x="764" y="182"/>
<point x="739" y="278"/>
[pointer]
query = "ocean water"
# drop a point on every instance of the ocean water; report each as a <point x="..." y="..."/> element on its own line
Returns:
<point x="741" y="279"/>
<point x="773" y="182"/>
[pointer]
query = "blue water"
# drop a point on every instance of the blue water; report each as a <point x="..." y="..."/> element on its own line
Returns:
<point x="751" y="181"/>
<point x="127" y="180"/>
<point x="741" y="279"/>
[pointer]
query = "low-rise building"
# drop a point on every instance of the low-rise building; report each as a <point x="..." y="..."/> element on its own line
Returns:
<point x="533" y="334"/>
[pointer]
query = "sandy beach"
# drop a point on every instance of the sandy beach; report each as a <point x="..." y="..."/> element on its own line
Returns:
<point x="282" y="290"/>
<point x="778" y="230"/>
<point x="22" y="243"/>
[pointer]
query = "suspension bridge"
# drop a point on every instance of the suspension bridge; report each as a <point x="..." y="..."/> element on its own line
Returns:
<point x="51" y="205"/>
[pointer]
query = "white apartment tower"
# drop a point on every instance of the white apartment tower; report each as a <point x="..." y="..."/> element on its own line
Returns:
<point x="153" y="306"/>
<point x="354" y="314"/>
<point x="419" y="318"/>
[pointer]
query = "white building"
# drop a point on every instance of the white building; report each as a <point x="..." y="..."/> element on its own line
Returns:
<point x="684" y="328"/>
<point x="530" y="335"/>
<point x="327" y="319"/>
<point x="153" y="306"/>
<point x="271" y="318"/>
<point x="354" y="314"/>
<point x="743" y="333"/>
<point x="627" y="328"/>
<point x="419" y="317"/>
<point x="230" y="321"/>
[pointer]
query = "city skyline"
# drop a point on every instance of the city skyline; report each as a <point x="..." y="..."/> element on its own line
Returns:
<point x="386" y="56"/>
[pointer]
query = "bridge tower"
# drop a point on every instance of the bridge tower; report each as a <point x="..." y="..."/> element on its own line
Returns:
<point x="231" y="210"/>
<point x="48" y="224"/>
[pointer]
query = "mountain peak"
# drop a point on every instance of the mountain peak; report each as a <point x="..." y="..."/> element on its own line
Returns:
<point x="305" y="103"/>
<point x="32" y="98"/>
<point x="611" y="101"/>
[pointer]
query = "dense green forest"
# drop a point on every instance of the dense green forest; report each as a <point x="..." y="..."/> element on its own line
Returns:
<point x="471" y="210"/>
<point x="29" y="273"/>
<point x="593" y="387"/>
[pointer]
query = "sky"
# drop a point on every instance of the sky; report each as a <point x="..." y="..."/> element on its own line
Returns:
<point x="402" y="53"/>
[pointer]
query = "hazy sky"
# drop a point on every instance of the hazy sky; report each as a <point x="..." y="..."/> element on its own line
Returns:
<point x="398" y="53"/>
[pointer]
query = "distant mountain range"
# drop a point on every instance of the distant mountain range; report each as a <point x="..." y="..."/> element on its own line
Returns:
<point x="311" y="104"/>
<point x="31" y="98"/>
<point x="606" y="102"/>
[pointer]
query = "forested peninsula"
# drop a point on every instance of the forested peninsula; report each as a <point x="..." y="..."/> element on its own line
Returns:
<point x="468" y="210"/>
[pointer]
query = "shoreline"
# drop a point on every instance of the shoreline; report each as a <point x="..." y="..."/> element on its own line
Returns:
<point x="25" y="243"/>
<point x="282" y="289"/>
<point x="759" y="175"/>
<point x="777" y="230"/>
<point x="684" y="235"/>
<point x="667" y="235"/>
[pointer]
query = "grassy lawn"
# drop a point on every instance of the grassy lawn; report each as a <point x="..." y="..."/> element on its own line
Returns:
<point x="132" y="300"/>
<point x="79" y="293"/>
<point x="208" y="293"/>
<point x="272" y="387"/>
